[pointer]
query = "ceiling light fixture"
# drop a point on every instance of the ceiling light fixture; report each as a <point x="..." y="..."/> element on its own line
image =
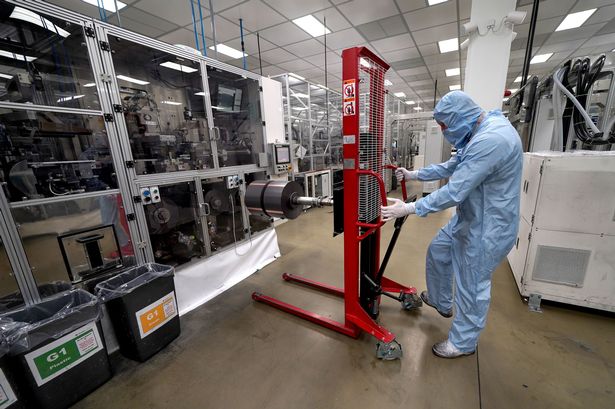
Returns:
<point x="539" y="58"/>
<point x="178" y="67"/>
<point x="400" y="94"/>
<point x="574" y="20"/>
<point x="434" y="2"/>
<point x="299" y="77"/>
<point x="451" y="72"/>
<point x="89" y="85"/>
<point x="387" y="83"/>
<point x="201" y="93"/>
<point x="28" y="16"/>
<point x="171" y="102"/>
<point x="7" y="76"/>
<point x="410" y="102"/>
<point x="108" y="5"/>
<point x="299" y="95"/>
<point x="311" y="25"/>
<point x="454" y="87"/>
<point x="14" y="56"/>
<point x="228" y="51"/>
<point x="133" y="80"/>
<point x="72" y="97"/>
<point x="452" y="44"/>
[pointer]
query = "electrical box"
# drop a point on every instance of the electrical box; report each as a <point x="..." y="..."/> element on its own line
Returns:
<point x="281" y="158"/>
<point x="232" y="181"/>
<point x="437" y="150"/>
<point x="564" y="249"/>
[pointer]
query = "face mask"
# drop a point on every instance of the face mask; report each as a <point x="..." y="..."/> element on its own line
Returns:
<point x="458" y="137"/>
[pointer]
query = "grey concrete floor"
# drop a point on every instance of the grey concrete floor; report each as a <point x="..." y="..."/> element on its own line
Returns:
<point x="236" y="353"/>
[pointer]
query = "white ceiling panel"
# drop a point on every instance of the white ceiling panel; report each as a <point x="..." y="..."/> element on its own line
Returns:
<point x="81" y="7"/>
<point x="429" y="49"/>
<point x="277" y="55"/>
<point x="335" y="21"/>
<point x="465" y="8"/>
<point x="412" y="71"/>
<point x="393" y="43"/>
<point x="429" y="35"/>
<point x="306" y="48"/>
<point x="297" y="8"/>
<point x="410" y="5"/>
<point x="180" y="36"/>
<point x="221" y="5"/>
<point x="602" y="15"/>
<point x="590" y="4"/>
<point x="575" y="34"/>
<point x="295" y="65"/>
<point x="432" y="16"/>
<point x="569" y="46"/>
<point x="179" y="13"/>
<point x="284" y="34"/>
<point x="273" y="70"/>
<point x="607" y="39"/>
<point x="225" y="30"/>
<point x="317" y="60"/>
<point x="399" y="55"/>
<point x="139" y="27"/>
<point x="364" y="11"/>
<point x="344" y="39"/>
<point x="250" y="44"/>
<point x="452" y="57"/>
<point x="145" y="18"/>
<point x="256" y="15"/>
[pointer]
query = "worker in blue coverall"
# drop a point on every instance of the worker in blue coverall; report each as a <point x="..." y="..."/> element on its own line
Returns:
<point x="484" y="185"/>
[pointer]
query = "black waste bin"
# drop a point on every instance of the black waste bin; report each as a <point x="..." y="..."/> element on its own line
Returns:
<point x="57" y="353"/>
<point x="142" y="308"/>
<point x="15" y="300"/>
<point x="9" y="395"/>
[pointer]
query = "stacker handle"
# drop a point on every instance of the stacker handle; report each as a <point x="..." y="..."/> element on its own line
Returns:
<point x="404" y="191"/>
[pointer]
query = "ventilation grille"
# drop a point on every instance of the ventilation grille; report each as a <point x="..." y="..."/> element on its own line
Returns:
<point x="561" y="265"/>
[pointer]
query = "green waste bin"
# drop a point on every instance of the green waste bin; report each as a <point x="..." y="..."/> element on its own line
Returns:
<point x="142" y="308"/>
<point x="57" y="353"/>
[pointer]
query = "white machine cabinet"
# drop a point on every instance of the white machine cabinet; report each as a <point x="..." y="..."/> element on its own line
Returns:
<point x="565" y="250"/>
<point x="437" y="150"/>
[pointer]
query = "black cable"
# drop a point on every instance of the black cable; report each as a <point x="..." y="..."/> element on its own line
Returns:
<point x="480" y="394"/>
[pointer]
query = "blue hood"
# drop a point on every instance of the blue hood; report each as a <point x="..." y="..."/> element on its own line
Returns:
<point x="459" y="113"/>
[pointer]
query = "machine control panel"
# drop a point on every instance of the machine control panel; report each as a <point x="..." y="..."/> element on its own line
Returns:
<point x="150" y="194"/>
<point x="281" y="158"/>
<point x="232" y="181"/>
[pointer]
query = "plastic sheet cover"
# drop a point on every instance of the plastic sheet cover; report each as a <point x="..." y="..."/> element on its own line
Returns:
<point x="198" y="282"/>
<point x="8" y="302"/>
<point x="133" y="278"/>
<point x="27" y="327"/>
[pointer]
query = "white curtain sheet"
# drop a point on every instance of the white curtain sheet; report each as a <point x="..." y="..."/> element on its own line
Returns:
<point x="199" y="282"/>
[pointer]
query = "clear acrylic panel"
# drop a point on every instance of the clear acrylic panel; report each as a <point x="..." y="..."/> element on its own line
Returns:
<point x="224" y="214"/>
<point x="51" y="154"/>
<point x="174" y="225"/>
<point x="41" y="225"/>
<point x="235" y="101"/>
<point x="44" y="60"/>
<point x="164" y="107"/>
<point x="10" y="296"/>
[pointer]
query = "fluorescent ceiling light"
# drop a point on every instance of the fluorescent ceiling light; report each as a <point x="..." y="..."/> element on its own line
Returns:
<point x="300" y="108"/>
<point x="434" y="2"/>
<point x="452" y="72"/>
<point x="311" y="25"/>
<point x="454" y="87"/>
<point x="299" y="95"/>
<point x="229" y="51"/>
<point x="72" y="97"/>
<point x="133" y="80"/>
<point x="417" y="108"/>
<point x="410" y="102"/>
<point x="178" y="67"/>
<point x="108" y="5"/>
<point x="452" y="44"/>
<point x="299" y="77"/>
<point x="400" y="94"/>
<point x="7" y="76"/>
<point x="364" y="63"/>
<point x="14" y="56"/>
<point x="171" y="102"/>
<point x="28" y="16"/>
<point x="200" y="93"/>
<point x="574" y="20"/>
<point x="537" y="59"/>
<point x="387" y="83"/>
<point x="89" y="85"/>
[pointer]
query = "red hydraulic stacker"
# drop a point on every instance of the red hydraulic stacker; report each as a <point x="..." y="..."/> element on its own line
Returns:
<point x="363" y="193"/>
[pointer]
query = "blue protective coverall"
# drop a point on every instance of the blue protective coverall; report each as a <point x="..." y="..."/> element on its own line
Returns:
<point x="485" y="178"/>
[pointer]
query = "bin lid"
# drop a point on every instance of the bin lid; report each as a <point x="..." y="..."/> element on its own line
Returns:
<point x="131" y="279"/>
<point x="26" y="327"/>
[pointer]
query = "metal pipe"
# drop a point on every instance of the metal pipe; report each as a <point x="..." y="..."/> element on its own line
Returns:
<point x="202" y="29"/>
<point x="530" y="44"/>
<point x="243" y="48"/>
<point x="312" y="201"/>
<point x="213" y="27"/>
<point x="196" y="37"/>
<point x="117" y="13"/>
<point x="258" y="44"/>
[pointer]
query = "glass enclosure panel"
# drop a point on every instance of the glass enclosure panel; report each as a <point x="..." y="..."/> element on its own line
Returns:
<point x="236" y="108"/>
<point x="164" y="106"/>
<point x="598" y="99"/>
<point x="44" y="60"/>
<point x="174" y="226"/>
<point x="41" y="225"/>
<point x="335" y="129"/>
<point x="50" y="154"/>
<point x="258" y="222"/>
<point x="224" y="213"/>
<point x="10" y="296"/>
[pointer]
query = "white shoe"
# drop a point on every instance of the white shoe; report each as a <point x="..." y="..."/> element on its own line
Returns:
<point x="446" y="349"/>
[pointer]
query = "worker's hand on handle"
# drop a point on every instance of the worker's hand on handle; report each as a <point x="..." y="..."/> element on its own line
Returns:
<point x="397" y="209"/>
<point x="403" y="173"/>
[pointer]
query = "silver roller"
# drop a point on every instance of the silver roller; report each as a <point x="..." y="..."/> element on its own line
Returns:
<point x="278" y="198"/>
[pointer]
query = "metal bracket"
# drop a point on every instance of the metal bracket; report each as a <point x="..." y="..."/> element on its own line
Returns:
<point x="263" y="123"/>
<point x="106" y="77"/>
<point x="533" y="302"/>
<point x="136" y="199"/>
<point x="89" y="31"/>
<point x="130" y="164"/>
<point x="131" y="217"/>
<point x="104" y="46"/>
<point x="118" y="108"/>
<point x="108" y="117"/>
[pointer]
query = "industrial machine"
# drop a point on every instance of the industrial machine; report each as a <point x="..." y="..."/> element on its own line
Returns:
<point x="281" y="158"/>
<point x="363" y="194"/>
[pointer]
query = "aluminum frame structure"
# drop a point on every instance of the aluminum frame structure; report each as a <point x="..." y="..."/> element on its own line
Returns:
<point x="96" y="36"/>
<point x="364" y="193"/>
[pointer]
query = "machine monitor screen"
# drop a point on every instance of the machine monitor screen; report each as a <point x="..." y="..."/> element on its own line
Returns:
<point x="229" y="99"/>
<point x="282" y="154"/>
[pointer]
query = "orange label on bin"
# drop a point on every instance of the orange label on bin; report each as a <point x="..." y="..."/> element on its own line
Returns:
<point x="156" y="314"/>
